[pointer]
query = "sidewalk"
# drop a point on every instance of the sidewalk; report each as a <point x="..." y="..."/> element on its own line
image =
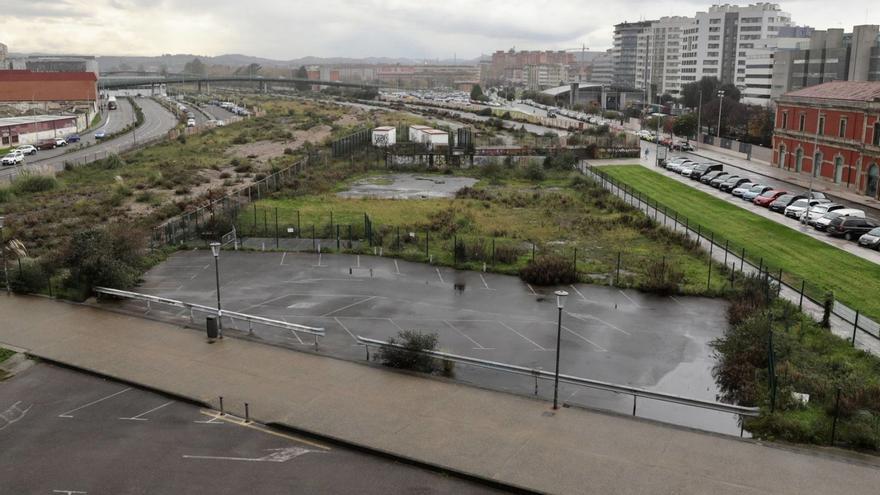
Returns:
<point x="790" y="176"/>
<point x="489" y="434"/>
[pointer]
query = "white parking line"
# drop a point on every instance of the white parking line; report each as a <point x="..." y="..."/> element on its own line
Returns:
<point x="584" y="319"/>
<point x="349" y="306"/>
<point x="575" y="289"/>
<point x="484" y="282"/>
<point x="294" y="332"/>
<point x="505" y="325"/>
<point x="282" y="258"/>
<point x="479" y="346"/>
<point x="629" y="298"/>
<point x="397" y="268"/>
<point x="439" y="275"/>
<point x="139" y="418"/>
<point x="67" y="414"/>
<point x="395" y="324"/>
<point x="531" y="289"/>
<point x="346" y="329"/>
<point x="597" y="346"/>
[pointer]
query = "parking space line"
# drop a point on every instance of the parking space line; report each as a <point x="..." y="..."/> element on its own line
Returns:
<point x="293" y="332"/>
<point x="282" y="258"/>
<point x="439" y="275"/>
<point x="575" y="289"/>
<point x="139" y="418"/>
<point x="349" y="306"/>
<point x="242" y="310"/>
<point x="584" y="319"/>
<point x="629" y="298"/>
<point x="597" y="346"/>
<point x="396" y="267"/>
<point x="479" y="346"/>
<point x="228" y="418"/>
<point x="346" y="329"/>
<point x="531" y="289"/>
<point x="395" y="324"/>
<point x="484" y="281"/>
<point x="67" y="414"/>
<point x="505" y="325"/>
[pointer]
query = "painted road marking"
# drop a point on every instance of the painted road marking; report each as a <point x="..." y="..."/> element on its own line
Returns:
<point x="629" y="298"/>
<point x="439" y="275"/>
<point x="228" y="418"/>
<point x="479" y="346"/>
<point x="584" y="319"/>
<point x="282" y="258"/>
<point x="484" y="281"/>
<point x="396" y="267"/>
<point x="346" y="329"/>
<point x="67" y="414"/>
<point x="139" y="416"/>
<point x="575" y="289"/>
<point x="531" y="289"/>
<point x="505" y="325"/>
<point x="395" y="324"/>
<point x="276" y="455"/>
<point x="597" y="346"/>
<point x="349" y="306"/>
<point x="13" y="415"/>
<point x="293" y="332"/>
<point x="68" y="492"/>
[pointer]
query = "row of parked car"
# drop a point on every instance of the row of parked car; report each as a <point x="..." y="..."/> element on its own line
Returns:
<point x="16" y="156"/>
<point x="814" y="208"/>
<point x="676" y="145"/>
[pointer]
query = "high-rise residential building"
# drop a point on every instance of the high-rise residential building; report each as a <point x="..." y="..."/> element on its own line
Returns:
<point x="626" y="50"/>
<point x="761" y="61"/>
<point x="603" y="68"/>
<point x="716" y="45"/>
<point x="508" y="66"/>
<point x="659" y="56"/>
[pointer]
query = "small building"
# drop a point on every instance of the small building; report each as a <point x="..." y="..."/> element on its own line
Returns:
<point x="24" y="92"/>
<point x="843" y="119"/>
<point x="384" y="136"/>
<point x="435" y="137"/>
<point x="32" y="129"/>
<point x="415" y="132"/>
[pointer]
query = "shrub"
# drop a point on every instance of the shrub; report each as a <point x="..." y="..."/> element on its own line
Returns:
<point x="507" y="254"/>
<point x="550" y="269"/>
<point x="104" y="257"/>
<point x="6" y="194"/>
<point x="534" y="172"/>
<point x="661" y="277"/>
<point x="408" y="358"/>
<point x="113" y="161"/>
<point x="28" y="277"/>
<point x="33" y="183"/>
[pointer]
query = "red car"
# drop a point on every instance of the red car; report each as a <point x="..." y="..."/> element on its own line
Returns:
<point x="768" y="197"/>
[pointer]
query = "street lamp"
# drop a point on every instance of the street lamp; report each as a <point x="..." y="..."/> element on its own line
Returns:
<point x="699" y="117"/>
<point x="720" y="107"/>
<point x="560" y="303"/>
<point x="813" y="172"/>
<point x="215" y="249"/>
<point x="5" y="268"/>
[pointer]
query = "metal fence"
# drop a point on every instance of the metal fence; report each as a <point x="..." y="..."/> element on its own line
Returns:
<point x="809" y="296"/>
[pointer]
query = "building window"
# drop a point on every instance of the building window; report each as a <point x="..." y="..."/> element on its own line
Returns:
<point x="802" y="123"/>
<point x="822" y="125"/>
<point x="799" y="159"/>
<point x="784" y="120"/>
<point x="817" y="163"/>
<point x="877" y="134"/>
<point x="842" y="131"/>
<point x="838" y="169"/>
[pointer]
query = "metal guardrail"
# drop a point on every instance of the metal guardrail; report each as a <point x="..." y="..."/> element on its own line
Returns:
<point x="192" y="307"/>
<point x="574" y="380"/>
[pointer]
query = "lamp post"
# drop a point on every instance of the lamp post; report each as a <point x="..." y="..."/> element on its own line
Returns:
<point x="813" y="172"/>
<point x="5" y="267"/>
<point x="720" y="107"/>
<point x="699" y="118"/>
<point x="560" y="303"/>
<point x="215" y="249"/>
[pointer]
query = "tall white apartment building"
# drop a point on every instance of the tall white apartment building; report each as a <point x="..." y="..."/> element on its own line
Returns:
<point x="760" y="64"/>
<point x="716" y="45"/>
<point x="659" y="56"/>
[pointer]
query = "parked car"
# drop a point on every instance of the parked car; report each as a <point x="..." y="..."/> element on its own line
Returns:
<point x="850" y="227"/>
<point x="707" y="178"/>
<point x="812" y="214"/>
<point x="682" y="146"/>
<point x="12" y="158"/>
<point x="717" y="182"/>
<point x="731" y="184"/>
<point x="687" y="169"/>
<point x="73" y="138"/>
<point x="755" y="191"/>
<point x="766" y="198"/>
<point x="779" y="205"/>
<point x="191" y="123"/>
<point x="27" y="149"/>
<point x="675" y="165"/>
<point x="871" y="239"/>
<point x="824" y="221"/>
<point x="100" y="134"/>
<point x="742" y="188"/>
<point x="702" y="169"/>
<point x="60" y="142"/>
<point x="797" y="208"/>
<point x="46" y="144"/>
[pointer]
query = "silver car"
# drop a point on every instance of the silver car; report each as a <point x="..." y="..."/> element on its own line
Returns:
<point x="871" y="239"/>
<point x="796" y="209"/>
<point x="739" y="191"/>
<point x="816" y="212"/>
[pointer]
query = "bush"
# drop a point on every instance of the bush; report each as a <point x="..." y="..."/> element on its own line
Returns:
<point x="6" y="194"/>
<point x="534" y="172"/>
<point x="661" y="277"/>
<point x="406" y="358"/>
<point x="33" y="183"/>
<point x="550" y="269"/>
<point x="111" y="162"/>
<point x="105" y="257"/>
<point x="28" y="277"/>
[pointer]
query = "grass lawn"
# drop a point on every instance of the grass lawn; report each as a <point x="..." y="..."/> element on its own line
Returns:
<point x="4" y="355"/>
<point x="855" y="281"/>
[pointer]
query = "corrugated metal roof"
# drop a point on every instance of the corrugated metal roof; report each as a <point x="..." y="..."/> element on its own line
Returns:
<point x="30" y="119"/>
<point x="28" y="76"/>
<point x="840" y="90"/>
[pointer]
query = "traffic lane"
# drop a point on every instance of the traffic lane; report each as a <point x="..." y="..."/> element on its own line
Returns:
<point x="848" y="246"/>
<point x="788" y="186"/>
<point x="123" y="439"/>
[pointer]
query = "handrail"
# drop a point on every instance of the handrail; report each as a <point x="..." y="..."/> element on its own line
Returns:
<point x="318" y="332"/>
<point x="585" y="382"/>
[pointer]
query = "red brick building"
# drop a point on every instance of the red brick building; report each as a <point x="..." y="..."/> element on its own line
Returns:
<point x="847" y="145"/>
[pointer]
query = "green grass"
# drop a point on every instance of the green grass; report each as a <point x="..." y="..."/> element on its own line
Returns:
<point x="4" y="355"/>
<point x="855" y="281"/>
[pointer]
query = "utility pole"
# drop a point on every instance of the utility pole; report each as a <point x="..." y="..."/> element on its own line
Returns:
<point x="720" y="107"/>
<point x="699" y="117"/>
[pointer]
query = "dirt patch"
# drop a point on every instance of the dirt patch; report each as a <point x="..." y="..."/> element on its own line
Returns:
<point x="347" y="120"/>
<point x="262" y="151"/>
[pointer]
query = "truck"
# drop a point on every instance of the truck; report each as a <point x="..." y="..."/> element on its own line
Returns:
<point x="111" y="103"/>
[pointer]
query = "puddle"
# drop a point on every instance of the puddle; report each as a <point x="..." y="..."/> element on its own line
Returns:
<point x="408" y="186"/>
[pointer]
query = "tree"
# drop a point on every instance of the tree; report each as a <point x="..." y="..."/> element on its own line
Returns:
<point x="730" y="91"/>
<point x="163" y="70"/>
<point x="690" y="93"/>
<point x="301" y="73"/>
<point x="477" y="93"/>
<point x="760" y="126"/>
<point x="685" y="125"/>
<point x="248" y="70"/>
<point x="195" y="67"/>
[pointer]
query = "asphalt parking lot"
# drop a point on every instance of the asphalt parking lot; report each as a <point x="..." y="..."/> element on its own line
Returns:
<point x="71" y="433"/>
<point x="622" y="337"/>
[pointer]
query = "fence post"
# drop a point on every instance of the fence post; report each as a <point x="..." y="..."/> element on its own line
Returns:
<point x="337" y="238"/>
<point x="855" y="327"/>
<point x="779" y="283"/>
<point x="836" y="414"/>
<point x="801" y="301"/>
<point x="617" y="275"/>
<point x="255" y="218"/>
<point x="454" y="250"/>
<point x="742" y="259"/>
<point x="427" y="243"/>
<point x="276" y="227"/>
<point x="265" y="222"/>
<point x="726" y="243"/>
<point x="575" y="265"/>
<point x="533" y="251"/>
<point x="398" y="238"/>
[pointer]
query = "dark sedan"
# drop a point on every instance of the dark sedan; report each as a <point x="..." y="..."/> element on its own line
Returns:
<point x="850" y="228"/>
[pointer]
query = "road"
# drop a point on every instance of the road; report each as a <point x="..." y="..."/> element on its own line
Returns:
<point x="217" y="113"/>
<point x="848" y="246"/>
<point x="67" y="432"/>
<point x="157" y="122"/>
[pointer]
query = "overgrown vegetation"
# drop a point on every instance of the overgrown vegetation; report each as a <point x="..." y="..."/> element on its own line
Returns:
<point x="409" y="355"/>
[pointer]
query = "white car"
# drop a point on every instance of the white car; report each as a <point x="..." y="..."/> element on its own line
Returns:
<point x="743" y="188"/>
<point x="27" y="149"/>
<point x="191" y="123"/>
<point x="12" y="158"/>
<point x="797" y="209"/>
<point x="60" y="142"/>
<point x="816" y="212"/>
<point x="687" y="169"/>
<point x="822" y="222"/>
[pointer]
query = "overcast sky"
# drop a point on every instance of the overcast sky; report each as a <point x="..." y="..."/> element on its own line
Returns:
<point x="286" y="29"/>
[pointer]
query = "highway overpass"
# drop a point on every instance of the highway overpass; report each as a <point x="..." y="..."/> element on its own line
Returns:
<point x="146" y="81"/>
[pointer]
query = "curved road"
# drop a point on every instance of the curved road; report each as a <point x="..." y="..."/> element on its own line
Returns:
<point x="157" y="122"/>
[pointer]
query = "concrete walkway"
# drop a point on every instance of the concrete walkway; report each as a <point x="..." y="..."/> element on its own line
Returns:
<point x="488" y="434"/>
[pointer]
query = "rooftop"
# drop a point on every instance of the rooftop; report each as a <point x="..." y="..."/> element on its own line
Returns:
<point x="31" y="119"/>
<point x="384" y="128"/>
<point x="28" y="76"/>
<point x="867" y="91"/>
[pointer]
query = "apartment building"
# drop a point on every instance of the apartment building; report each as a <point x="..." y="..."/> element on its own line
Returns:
<point x="659" y="56"/>
<point x="625" y="52"/>
<point x="761" y="62"/>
